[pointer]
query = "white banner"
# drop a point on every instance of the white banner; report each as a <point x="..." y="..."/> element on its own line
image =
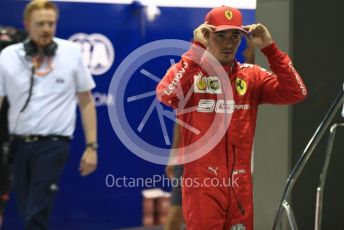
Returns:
<point x="241" y="4"/>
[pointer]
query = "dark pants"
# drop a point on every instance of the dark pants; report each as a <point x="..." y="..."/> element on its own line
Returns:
<point x="176" y="193"/>
<point x="5" y="181"/>
<point x="37" y="167"/>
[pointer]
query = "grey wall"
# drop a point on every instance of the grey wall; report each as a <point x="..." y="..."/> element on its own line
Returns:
<point x="272" y="161"/>
<point x="318" y="53"/>
<point x="311" y="34"/>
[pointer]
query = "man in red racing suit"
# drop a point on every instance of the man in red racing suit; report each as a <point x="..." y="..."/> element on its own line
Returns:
<point x="216" y="206"/>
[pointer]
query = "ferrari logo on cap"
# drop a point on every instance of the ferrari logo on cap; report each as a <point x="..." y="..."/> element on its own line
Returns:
<point x="228" y="14"/>
<point x="241" y="86"/>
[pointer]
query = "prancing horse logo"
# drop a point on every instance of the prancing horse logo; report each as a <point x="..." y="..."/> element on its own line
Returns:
<point x="229" y="14"/>
<point x="241" y="86"/>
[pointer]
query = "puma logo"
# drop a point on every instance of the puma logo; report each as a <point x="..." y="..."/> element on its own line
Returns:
<point x="214" y="170"/>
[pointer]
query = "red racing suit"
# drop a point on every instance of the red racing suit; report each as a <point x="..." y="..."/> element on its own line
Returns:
<point x="216" y="206"/>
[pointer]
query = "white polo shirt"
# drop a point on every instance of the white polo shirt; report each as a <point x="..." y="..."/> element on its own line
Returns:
<point x="52" y="108"/>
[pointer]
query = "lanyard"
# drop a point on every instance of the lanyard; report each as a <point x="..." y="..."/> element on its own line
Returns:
<point x="37" y="63"/>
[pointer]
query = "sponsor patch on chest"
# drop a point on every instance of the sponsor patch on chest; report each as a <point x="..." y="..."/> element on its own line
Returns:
<point x="211" y="84"/>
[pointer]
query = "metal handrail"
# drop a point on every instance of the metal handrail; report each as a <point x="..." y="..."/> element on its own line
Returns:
<point x="305" y="156"/>
<point x="322" y="179"/>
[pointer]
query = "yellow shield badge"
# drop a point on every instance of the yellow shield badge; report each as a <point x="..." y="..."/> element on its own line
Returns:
<point x="241" y="86"/>
<point x="201" y="83"/>
<point x="228" y="14"/>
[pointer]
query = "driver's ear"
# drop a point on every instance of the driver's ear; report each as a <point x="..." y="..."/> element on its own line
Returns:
<point x="206" y="34"/>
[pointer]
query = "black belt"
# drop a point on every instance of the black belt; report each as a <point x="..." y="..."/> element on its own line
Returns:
<point x="33" y="138"/>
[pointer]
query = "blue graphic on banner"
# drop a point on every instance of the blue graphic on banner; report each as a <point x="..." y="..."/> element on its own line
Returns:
<point x="108" y="33"/>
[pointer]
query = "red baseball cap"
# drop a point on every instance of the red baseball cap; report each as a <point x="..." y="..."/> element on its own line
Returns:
<point x="225" y="18"/>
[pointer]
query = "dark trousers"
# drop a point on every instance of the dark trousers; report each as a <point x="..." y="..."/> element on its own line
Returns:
<point x="5" y="181"/>
<point x="176" y="192"/>
<point x="37" y="167"/>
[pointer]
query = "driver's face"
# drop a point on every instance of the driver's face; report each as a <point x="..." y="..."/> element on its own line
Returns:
<point x="223" y="45"/>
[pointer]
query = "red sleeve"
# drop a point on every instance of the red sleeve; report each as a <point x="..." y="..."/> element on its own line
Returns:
<point x="178" y="78"/>
<point x="284" y="85"/>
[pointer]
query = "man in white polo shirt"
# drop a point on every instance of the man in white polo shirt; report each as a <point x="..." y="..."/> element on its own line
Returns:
<point x="43" y="79"/>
